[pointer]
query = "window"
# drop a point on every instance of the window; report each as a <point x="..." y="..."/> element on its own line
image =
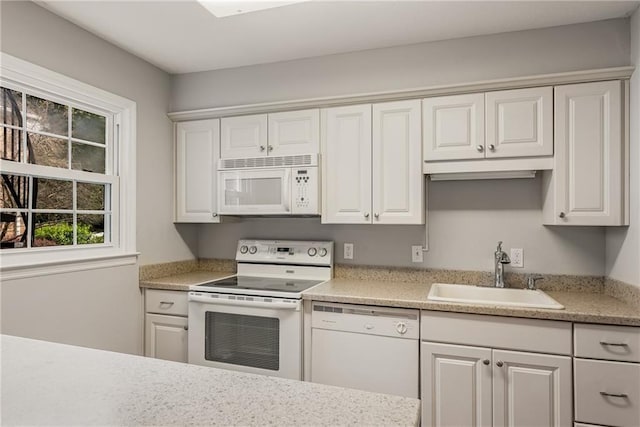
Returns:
<point x="67" y="157"/>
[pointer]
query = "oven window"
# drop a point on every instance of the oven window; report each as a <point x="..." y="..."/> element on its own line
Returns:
<point x="253" y="191"/>
<point x="243" y="340"/>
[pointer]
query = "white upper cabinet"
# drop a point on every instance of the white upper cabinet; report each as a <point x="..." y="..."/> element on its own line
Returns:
<point x="587" y="185"/>
<point x="372" y="167"/>
<point x="346" y="165"/>
<point x="244" y="136"/>
<point x="519" y="123"/>
<point x="398" y="183"/>
<point x="454" y="127"/>
<point x="294" y="132"/>
<point x="197" y="153"/>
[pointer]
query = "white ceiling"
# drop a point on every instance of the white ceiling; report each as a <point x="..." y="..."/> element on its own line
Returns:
<point x="183" y="37"/>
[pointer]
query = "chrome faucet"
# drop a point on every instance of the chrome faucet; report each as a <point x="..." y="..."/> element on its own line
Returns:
<point x="500" y="258"/>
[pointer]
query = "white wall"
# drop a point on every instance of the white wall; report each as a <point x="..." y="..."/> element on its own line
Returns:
<point x="98" y="308"/>
<point x="466" y="219"/>
<point x="522" y="53"/>
<point x="623" y="244"/>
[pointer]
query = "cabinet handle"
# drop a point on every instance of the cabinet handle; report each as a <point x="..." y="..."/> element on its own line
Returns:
<point x="215" y="215"/>
<point x="492" y="147"/>
<point x="562" y="215"/>
<point x="169" y="303"/>
<point x="377" y="216"/>
<point x="486" y="361"/>
<point x="614" y="344"/>
<point x="480" y="148"/>
<point x="499" y="364"/>
<point x="269" y="148"/>
<point x="366" y="215"/>
<point x="186" y="328"/>
<point x="262" y="148"/>
<point x="620" y="395"/>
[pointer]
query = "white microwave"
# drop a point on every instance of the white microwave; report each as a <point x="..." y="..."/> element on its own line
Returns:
<point x="274" y="185"/>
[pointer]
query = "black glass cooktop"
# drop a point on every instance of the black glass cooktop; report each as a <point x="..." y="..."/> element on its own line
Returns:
<point x="261" y="284"/>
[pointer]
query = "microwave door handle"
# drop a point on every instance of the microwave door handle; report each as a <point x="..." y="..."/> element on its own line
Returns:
<point x="288" y="189"/>
<point x="243" y="303"/>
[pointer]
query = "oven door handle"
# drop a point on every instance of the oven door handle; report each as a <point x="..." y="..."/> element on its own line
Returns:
<point x="243" y="303"/>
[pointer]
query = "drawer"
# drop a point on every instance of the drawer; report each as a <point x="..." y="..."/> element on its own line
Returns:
<point x="594" y="377"/>
<point x="585" y="425"/>
<point x="607" y="342"/>
<point x="513" y="333"/>
<point x="166" y="302"/>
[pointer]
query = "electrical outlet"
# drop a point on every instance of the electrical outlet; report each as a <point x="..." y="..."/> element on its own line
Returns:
<point x="348" y="251"/>
<point x="517" y="257"/>
<point x="416" y="253"/>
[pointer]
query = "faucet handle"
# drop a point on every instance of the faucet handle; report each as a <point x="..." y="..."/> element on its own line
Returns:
<point x="499" y="248"/>
<point x="531" y="281"/>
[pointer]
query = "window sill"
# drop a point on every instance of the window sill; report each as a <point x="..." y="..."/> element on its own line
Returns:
<point x="15" y="270"/>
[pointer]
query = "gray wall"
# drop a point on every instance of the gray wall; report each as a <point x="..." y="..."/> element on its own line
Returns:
<point x="466" y="219"/>
<point x="623" y="244"/>
<point x="568" y="48"/>
<point x="98" y="308"/>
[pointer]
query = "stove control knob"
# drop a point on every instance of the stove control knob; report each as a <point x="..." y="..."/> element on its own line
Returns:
<point x="401" y="327"/>
<point x="253" y="250"/>
<point x="312" y="251"/>
<point x="322" y="252"/>
<point x="243" y="249"/>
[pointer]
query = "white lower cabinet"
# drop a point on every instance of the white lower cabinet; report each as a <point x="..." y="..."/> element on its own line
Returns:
<point x="166" y="325"/>
<point x="166" y="337"/>
<point x="466" y="384"/>
<point x="476" y="386"/>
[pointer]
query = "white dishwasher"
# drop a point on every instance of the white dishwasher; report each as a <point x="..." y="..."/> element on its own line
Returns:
<point x="367" y="348"/>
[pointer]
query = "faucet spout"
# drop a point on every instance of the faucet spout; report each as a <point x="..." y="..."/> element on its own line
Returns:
<point x="500" y="258"/>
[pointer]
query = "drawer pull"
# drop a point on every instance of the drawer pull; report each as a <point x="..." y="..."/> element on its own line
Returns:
<point x="614" y="344"/>
<point x="620" y="395"/>
<point x="169" y="303"/>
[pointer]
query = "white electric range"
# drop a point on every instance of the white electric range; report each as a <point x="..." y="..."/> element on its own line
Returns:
<point x="252" y="321"/>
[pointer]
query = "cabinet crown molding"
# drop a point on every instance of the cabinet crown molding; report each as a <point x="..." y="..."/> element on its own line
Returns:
<point x="614" y="73"/>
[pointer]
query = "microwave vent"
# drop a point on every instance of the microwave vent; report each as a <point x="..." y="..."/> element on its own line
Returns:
<point x="269" y="162"/>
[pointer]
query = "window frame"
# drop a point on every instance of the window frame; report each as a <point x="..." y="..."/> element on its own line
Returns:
<point x="120" y="172"/>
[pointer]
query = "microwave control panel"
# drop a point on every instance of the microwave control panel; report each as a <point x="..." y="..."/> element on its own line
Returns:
<point x="305" y="191"/>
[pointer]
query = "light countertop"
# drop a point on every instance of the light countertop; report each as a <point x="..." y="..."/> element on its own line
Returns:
<point x="589" y="307"/>
<point x="46" y="383"/>
<point x="181" y="282"/>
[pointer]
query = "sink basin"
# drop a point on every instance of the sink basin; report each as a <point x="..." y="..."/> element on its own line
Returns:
<point x="492" y="296"/>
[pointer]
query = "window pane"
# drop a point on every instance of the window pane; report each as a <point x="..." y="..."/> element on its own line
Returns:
<point x="47" y="116"/>
<point x="90" y="229"/>
<point x="53" y="230"/>
<point x="88" y="126"/>
<point x="13" y="230"/>
<point x="87" y="158"/>
<point x="11" y="144"/>
<point x="52" y="194"/>
<point x="47" y="151"/>
<point x="90" y="196"/>
<point x="14" y="191"/>
<point x="11" y="107"/>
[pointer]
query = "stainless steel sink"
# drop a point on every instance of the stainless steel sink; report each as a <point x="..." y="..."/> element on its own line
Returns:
<point x="492" y="296"/>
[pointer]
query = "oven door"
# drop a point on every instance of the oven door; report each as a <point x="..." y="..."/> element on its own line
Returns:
<point x="254" y="192"/>
<point x="249" y="334"/>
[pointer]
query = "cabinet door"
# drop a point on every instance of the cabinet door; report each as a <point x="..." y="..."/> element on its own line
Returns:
<point x="398" y="183"/>
<point x="197" y="153"/>
<point x="453" y="127"/>
<point x="166" y="337"/>
<point x="519" y="122"/>
<point x="587" y="182"/>
<point x="531" y="389"/>
<point x="294" y="132"/>
<point x="244" y="136"/>
<point x="346" y="165"/>
<point x="456" y="385"/>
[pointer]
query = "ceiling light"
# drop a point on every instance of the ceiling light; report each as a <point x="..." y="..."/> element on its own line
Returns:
<point x="221" y="9"/>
